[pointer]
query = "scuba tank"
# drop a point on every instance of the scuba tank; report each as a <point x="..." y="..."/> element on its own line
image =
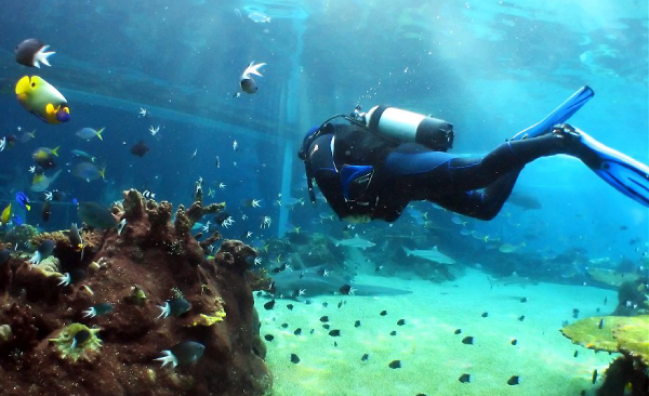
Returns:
<point x="389" y="123"/>
<point x="405" y="126"/>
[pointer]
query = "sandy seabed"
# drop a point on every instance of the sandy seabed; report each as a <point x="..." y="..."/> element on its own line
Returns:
<point x="432" y="357"/>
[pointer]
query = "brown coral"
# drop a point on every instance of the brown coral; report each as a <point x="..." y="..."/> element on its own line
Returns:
<point x="135" y="272"/>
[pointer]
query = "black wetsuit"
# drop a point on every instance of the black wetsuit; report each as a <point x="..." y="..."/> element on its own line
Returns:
<point x="412" y="172"/>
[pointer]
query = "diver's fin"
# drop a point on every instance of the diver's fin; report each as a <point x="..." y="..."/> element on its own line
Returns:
<point x="627" y="175"/>
<point x="560" y="115"/>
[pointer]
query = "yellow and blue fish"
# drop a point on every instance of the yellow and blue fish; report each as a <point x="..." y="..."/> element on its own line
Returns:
<point x="6" y="214"/>
<point x="43" y="100"/>
<point x="23" y="200"/>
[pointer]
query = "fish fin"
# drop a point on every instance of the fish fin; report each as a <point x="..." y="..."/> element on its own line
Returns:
<point x="102" y="172"/>
<point x="41" y="56"/>
<point x="253" y="69"/>
<point x="22" y="86"/>
<point x="56" y="149"/>
<point x="99" y="134"/>
<point x="49" y="110"/>
<point x="28" y="207"/>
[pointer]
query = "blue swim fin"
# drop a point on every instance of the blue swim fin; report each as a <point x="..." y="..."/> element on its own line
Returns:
<point x="627" y="175"/>
<point x="560" y="115"/>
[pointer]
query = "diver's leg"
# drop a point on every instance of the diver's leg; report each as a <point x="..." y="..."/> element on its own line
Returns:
<point x="427" y="174"/>
<point x="483" y="205"/>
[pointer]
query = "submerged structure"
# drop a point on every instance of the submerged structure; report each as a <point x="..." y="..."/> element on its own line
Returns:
<point x="87" y="321"/>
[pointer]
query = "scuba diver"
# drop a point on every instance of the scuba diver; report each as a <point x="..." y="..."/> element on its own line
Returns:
<point x="371" y="165"/>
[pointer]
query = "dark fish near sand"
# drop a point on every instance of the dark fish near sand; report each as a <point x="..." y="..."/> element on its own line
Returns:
<point x="313" y="283"/>
<point x="514" y="380"/>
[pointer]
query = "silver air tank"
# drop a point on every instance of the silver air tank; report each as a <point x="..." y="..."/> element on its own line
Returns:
<point x="405" y="126"/>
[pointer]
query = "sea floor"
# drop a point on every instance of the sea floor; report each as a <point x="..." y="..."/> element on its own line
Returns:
<point x="432" y="357"/>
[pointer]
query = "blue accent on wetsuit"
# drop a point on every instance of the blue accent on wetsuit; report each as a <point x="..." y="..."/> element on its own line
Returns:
<point x="352" y="174"/>
<point x="413" y="158"/>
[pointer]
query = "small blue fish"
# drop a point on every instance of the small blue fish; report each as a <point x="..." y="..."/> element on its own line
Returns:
<point x="88" y="171"/>
<point x="44" y="251"/>
<point x="182" y="354"/>
<point x="83" y="155"/>
<point x="174" y="307"/>
<point x="23" y="200"/>
<point x="98" y="310"/>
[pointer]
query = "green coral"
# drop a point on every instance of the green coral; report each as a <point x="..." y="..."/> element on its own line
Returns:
<point x="587" y="333"/>
<point x="51" y="266"/>
<point x="65" y="342"/>
<point x="618" y="334"/>
<point x="633" y="337"/>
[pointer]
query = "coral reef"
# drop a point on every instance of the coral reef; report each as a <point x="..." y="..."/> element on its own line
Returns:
<point x="47" y="344"/>
<point x="627" y="335"/>
<point x="19" y="236"/>
<point x="611" y="277"/>
<point x="633" y="298"/>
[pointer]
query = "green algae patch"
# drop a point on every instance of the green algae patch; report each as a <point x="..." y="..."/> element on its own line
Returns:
<point x="633" y="337"/>
<point x="587" y="333"/>
<point x="77" y="340"/>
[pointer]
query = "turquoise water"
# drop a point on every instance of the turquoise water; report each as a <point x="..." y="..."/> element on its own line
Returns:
<point x="491" y="68"/>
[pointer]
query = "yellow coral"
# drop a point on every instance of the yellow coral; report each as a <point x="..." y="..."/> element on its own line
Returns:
<point x="207" y="320"/>
<point x="617" y="334"/>
<point x="633" y="337"/>
<point x="587" y="333"/>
